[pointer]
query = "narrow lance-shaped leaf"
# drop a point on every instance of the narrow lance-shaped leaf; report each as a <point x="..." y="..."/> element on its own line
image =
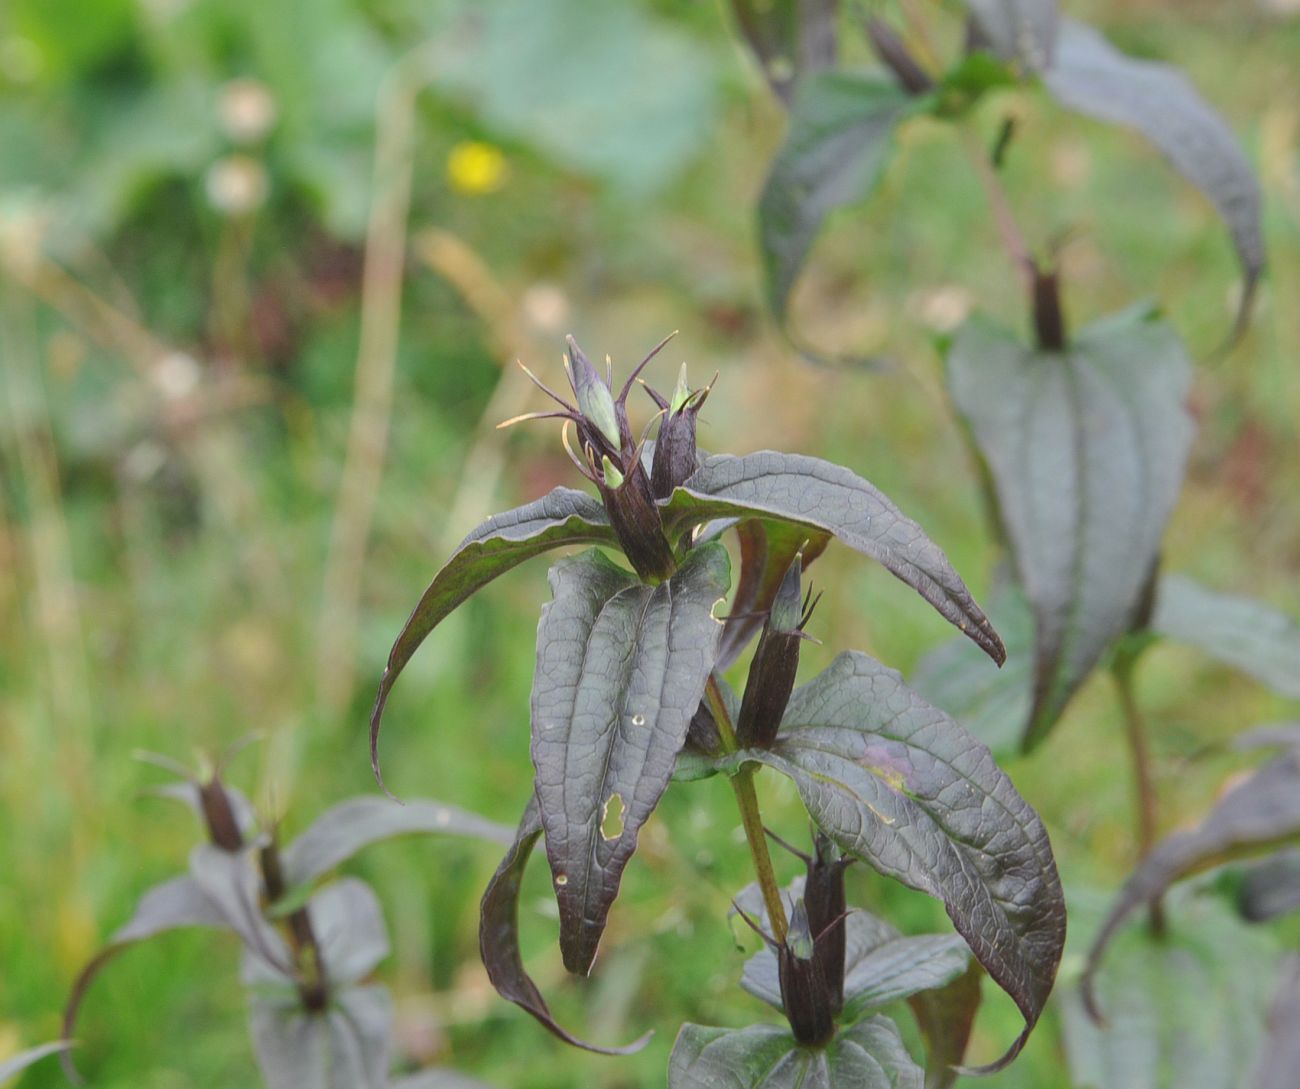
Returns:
<point x="621" y="668"/>
<point x="870" y="1055"/>
<point x="897" y="783"/>
<point x="839" y="140"/>
<point x="343" y="830"/>
<point x="826" y="498"/>
<point x="1086" y="448"/>
<point x="1239" y="631"/>
<point x="1256" y="815"/>
<point x="562" y="517"/>
<point x="498" y="936"/>
<point x="1092" y="77"/>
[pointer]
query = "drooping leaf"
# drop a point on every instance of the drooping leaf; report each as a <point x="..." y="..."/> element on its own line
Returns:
<point x="621" y="669"/>
<point x="880" y="966"/>
<point x="343" y="830"/>
<point x="1092" y="77"/>
<point x="233" y="882"/>
<point x="173" y="905"/>
<point x="16" y="1064"/>
<point x="839" y="139"/>
<point x="790" y="39"/>
<point x="498" y="936"/>
<point x="1238" y="631"/>
<point x="343" y="1047"/>
<point x="767" y="548"/>
<point x="1271" y="888"/>
<point x="946" y="1016"/>
<point x="1280" y="1058"/>
<point x="870" y="1055"/>
<point x="897" y="783"/>
<point x="1020" y="30"/>
<point x="808" y="492"/>
<point x="1256" y="815"/>
<point x="562" y="517"/>
<point x="993" y="704"/>
<point x="1086" y="448"/>
<point x="1183" y="1011"/>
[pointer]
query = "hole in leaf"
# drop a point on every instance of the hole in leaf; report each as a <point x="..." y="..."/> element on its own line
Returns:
<point x="561" y="879"/>
<point x="611" y="818"/>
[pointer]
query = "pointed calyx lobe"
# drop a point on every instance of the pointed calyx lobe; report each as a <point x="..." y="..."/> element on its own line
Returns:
<point x="621" y="670"/>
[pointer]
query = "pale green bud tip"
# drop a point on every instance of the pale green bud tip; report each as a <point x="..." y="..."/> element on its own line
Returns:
<point x="681" y="394"/>
<point x="799" y="937"/>
<point x="613" y="476"/>
<point x="786" y="606"/>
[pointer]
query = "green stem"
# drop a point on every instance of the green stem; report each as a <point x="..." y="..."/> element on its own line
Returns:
<point x="750" y="816"/>
<point x="1143" y="779"/>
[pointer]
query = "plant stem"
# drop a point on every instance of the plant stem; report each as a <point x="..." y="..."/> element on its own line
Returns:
<point x="1013" y="238"/>
<point x="1143" y="780"/>
<point x="750" y="816"/>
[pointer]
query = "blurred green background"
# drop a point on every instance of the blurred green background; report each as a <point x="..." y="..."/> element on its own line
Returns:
<point x="248" y="397"/>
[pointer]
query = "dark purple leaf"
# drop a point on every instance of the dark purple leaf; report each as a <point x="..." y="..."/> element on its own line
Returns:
<point x="870" y="1055"/>
<point x="897" y="783"/>
<point x="562" y="517"/>
<point x="946" y="1016"/>
<point x="840" y="136"/>
<point x="344" y="1047"/>
<point x="790" y="38"/>
<point x="1086" y="449"/>
<point x="820" y="497"/>
<point x="1239" y="631"/>
<point x="499" y="936"/>
<point x="621" y="669"/>
<point x="1256" y="815"/>
<point x="1280" y="1060"/>
<point x="1092" y="77"/>
<point x="767" y="548"/>
<point x="343" y="830"/>
<point x="1019" y="30"/>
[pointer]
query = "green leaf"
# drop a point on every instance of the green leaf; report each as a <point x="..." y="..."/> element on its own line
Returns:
<point x="1086" y="449"/>
<point x="343" y="1047"/>
<point x="870" y="1055"/>
<point x="16" y="1064"/>
<point x="897" y="783"/>
<point x="562" y="517"/>
<point x="1183" y="1011"/>
<point x="840" y="135"/>
<point x="824" y="498"/>
<point x="1092" y="77"/>
<point x="790" y="39"/>
<point x="767" y="548"/>
<point x="1238" y="631"/>
<point x="498" y="936"/>
<point x="1256" y="815"/>
<point x="1021" y="30"/>
<point x="621" y="669"/>
<point x="343" y="830"/>
<point x="946" y="1017"/>
<point x="1280" y="1057"/>
<point x="993" y="704"/>
<point x="1271" y="888"/>
<point x="880" y="965"/>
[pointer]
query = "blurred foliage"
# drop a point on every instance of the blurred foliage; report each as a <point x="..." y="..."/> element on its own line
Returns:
<point x="185" y="191"/>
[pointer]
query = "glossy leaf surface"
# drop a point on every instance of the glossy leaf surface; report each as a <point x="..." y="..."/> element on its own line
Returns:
<point x="826" y="498"/>
<point x="897" y="783"/>
<point x="621" y="669"/>
<point x="1086" y="449"/>
<point x="1092" y="77"/>
<point x="1257" y="814"/>
<point x="838" y="142"/>
<point x="562" y="517"/>
<point x="343" y="830"/>
<point x="1238" y="631"/>
<point x="499" y="936"/>
<point x="870" y="1055"/>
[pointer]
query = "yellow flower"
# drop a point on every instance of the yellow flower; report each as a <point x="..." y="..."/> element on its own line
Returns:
<point x="475" y="168"/>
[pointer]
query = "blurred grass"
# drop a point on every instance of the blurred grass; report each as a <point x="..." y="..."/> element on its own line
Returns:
<point x="177" y="386"/>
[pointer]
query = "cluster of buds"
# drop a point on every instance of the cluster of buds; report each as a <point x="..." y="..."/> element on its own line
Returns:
<point x="612" y="458"/>
<point x="772" y="672"/>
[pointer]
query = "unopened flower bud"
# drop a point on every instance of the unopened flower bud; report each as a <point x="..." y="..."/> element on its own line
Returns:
<point x="804" y="991"/>
<point x="772" y="672"/>
<point x="595" y="401"/>
<point x="823" y="893"/>
<point x="676" y="457"/>
<point x="219" y="815"/>
<point x="635" y="518"/>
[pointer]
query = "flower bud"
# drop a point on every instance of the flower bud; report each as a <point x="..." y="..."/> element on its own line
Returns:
<point x="635" y="518"/>
<point x="823" y="893"/>
<point x="772" y="672"/>
<point x="219" y="815"/>
<point x="804" y="991"/>
<point x="676" y="457"/>
<point x="595" y="401"/>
